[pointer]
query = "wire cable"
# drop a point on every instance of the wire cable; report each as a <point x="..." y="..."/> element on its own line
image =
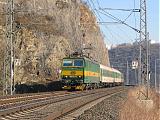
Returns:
<point x="135" y="10"/>
<point x="98" y="17"/>
<point x="128" y="16"/>
<point x="107" y="28"/>
<point x="117" y="19"/>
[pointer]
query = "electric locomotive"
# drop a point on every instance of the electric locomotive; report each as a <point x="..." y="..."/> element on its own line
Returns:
<point x="80" y="73"/>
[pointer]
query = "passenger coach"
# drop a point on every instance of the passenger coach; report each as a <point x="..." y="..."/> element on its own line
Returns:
<point x="110" y="76"/>
<point x="80" y="73"/>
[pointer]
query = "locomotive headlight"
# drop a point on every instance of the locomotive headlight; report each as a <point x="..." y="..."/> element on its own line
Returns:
<point x="66" y="76"/>
<point x="80" y="76"/>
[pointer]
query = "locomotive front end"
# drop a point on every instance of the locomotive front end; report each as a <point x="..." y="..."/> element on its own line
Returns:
<point x="72" y="74"/>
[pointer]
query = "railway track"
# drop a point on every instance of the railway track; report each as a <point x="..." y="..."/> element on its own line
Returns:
<point x="19" y="103"/>
<point x="21" y="96"/>
<point x="71" y="112"/>
<point x="10" y="100"/>
<point x="55" y="106"/>
<point x="71" y="115"/>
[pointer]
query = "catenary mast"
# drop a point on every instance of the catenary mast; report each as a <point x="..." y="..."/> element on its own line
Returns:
<point x="144" y="65"/>
<point x="9" y="51"/>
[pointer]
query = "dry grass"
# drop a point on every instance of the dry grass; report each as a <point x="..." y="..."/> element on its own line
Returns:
<point x="132" y="110"/>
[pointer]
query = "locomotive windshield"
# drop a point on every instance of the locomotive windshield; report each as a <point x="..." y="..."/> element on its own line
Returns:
<point x="78" y="63"/>
<point x="67" y="63"/>
<point x="73" y="62"/>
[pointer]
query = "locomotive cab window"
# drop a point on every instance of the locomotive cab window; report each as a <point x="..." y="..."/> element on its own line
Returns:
<point x="67" y="63"/>
<point x="78" y="63"/>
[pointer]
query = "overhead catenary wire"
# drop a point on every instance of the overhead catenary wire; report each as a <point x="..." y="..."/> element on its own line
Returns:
<point x="134" y="10"/>
<point x="115" y="23"/>
<point x="117" y="19"/>
<point x="128" y="16"/>
<point x="135" y="17"/>
<point x="98" y="3"/>
<point x="119" y="36"/>
<point x="117" y="27"/>
<point x="109" y="30"/>
<point x="93" y="7"/>
<point x="98" y="17"/>
<point x="120" y="21"/>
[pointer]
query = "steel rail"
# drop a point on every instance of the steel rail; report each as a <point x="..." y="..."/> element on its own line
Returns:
<point x="30" y="97"/>
<point x="66" y="113"/>
<point x="38" y="102"/>
<point x="52" y="99"/>
<point x="24" y="95"/>
<point x="80" y="104"/>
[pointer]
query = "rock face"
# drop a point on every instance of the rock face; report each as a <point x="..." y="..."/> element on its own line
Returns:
<point x="47" y="31"/>
<point x="127" y="52"/>
<point x="92" y="36"/>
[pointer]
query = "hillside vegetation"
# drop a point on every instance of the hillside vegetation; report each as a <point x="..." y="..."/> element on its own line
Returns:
<point x="129" y="52"/>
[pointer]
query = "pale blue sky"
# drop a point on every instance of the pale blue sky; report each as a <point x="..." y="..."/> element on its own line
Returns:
<point x="118" y="33"/>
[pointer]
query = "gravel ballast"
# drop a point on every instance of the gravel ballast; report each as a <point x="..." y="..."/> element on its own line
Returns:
<point x="108" y="109"/>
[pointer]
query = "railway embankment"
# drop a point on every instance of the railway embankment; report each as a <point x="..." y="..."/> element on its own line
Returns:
<point x="124" y="106"/>
<point x="55" y="106"/>
<point x="117" y="103"/>
<point x="108" y="109"/>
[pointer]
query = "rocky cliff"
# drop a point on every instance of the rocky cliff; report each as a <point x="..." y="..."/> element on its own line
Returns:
<point x="45" y="32"/>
